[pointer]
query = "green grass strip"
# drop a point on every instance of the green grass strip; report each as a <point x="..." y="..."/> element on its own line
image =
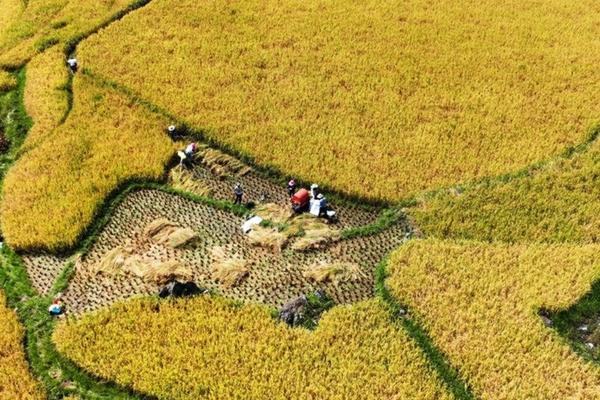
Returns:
<point x="59" y="376"/>
<point x="385" y="220"/>
<point x="14" y="122"/>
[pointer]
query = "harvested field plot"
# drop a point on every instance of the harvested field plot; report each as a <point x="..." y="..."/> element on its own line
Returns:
<point x="233" y="351"/>
<point x="256" y="187"/>
<point x="43" y="269"/>
<point x="15" y="379"/>
<point x="480" y="305"/>
<point x="274" y="277"/>
<point x="378" y="99"/>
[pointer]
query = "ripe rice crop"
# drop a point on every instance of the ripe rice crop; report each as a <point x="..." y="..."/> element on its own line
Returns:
<point x="212" y="348"/>
<point x="15" y="380"/>
<point x="7" y="81"/>
<point x="378" y="99"/>
<point x="51" y="194"/>
<point x="45" y="97"/>
<point x="558" y="203"/>
<point x="11" y="10"/>
<point x="30" y="27"/>
<point x="479" y="303"/>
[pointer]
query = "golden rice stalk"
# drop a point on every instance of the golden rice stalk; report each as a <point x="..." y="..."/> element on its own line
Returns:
<point x="557" y="203"/>
<point x="270" y="238"/>
<point x="240" y="352"/>
<point x="335" y="272"/>
<point x="221" y="164"/>
<point x="315" y="233"/>
<point x="112" y="262"/>
<point x="11" y="10"/>
<point x="170" y="234"/>
<point x="28" y="28"/>
<point x="45" y="96"/>
<point x="7" y="81"/>
<point x="479" y="303"/>
<point x="182" y="179"/>
<point x="123" y="261"/>
<point x="228" y="271"/>
<point x="163" y="272"/>
<point x="362" y="104"/>
<point x="274" y="213"/>
<point x="53" y="191"/>
<point x="155" y="229"/>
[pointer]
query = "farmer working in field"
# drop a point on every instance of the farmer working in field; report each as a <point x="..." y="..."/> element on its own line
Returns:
<point x="72" y="62"/>
<point x="238" y="192"/>
<point x="188" y="154"/>
<point x="56" y="308"/>
<point x="291" y="187"/>
<point x="190" y="150"/>
<point x="172" y="132"/>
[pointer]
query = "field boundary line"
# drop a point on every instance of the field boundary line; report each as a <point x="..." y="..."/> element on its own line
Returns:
<point x="591" y="137"/>
<point x="449" y="375"/>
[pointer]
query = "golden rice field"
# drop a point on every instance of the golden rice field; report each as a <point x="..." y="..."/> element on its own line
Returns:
<point x="557" y="203"/>
<point x="378" y="99"/>
<point x="212" y="348"/>
<point x="466" y="107"/>
<point x="11" y="10"/>
<point x="16" y="381"/>
<point x="45" y="96"/>
<point x="51" y="194"/>
<point x="7" y="81"/>
<point x="479" y="303"/>
<point x="30" y="27"/>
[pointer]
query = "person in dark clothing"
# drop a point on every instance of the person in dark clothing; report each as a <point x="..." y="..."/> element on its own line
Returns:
<point x="239" y="193"/>
<point x="172" y="132"/>
<point x="73" y="65"/>
<point x="291" y="187"/>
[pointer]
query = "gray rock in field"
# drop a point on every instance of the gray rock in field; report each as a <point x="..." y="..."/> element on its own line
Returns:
<point x="590" y="345"/>
<point x="293" y="311"/>
<point x="583" y="328"/>
<point x="547" y="321"/>
<point x="180" y="289"/>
